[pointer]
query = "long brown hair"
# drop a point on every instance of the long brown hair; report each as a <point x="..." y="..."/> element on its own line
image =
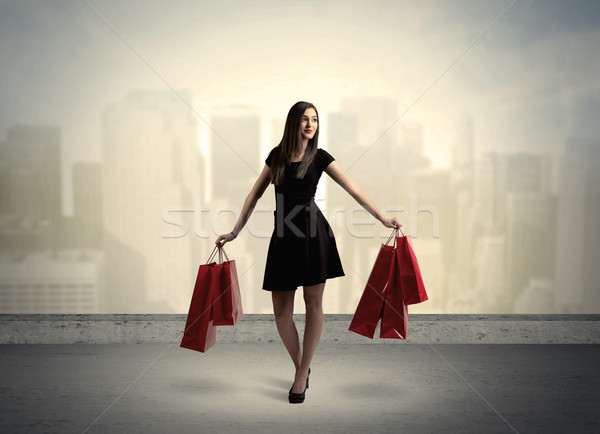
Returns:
<point x="291" y="144"/>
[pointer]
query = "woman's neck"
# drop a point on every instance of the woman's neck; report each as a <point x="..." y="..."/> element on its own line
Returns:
<point x="301" y="155"/>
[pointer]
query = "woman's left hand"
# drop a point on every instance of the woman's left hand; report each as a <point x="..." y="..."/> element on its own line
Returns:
<point x="392" y="223"/>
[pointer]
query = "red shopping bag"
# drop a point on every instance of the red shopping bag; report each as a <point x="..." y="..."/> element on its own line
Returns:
<point x="200" y="333"/>
<point x="369" y="309"/>
<point x="394" y="320"/>
<point x="227" y="302"/>
<point x="411" y="280"/>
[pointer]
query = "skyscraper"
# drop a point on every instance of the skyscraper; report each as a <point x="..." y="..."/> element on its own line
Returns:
<point x="578" y="235"/>
<point x="529" y="240"/>
<point x="512" y="200"/>
<point x="30" y="163"/>
<point x="235" y="152"/>
<point x="150" y="169"/>
<point x="236" y="159"/>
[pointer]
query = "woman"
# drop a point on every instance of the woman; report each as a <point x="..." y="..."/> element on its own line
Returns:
<point x="302" y="251"/>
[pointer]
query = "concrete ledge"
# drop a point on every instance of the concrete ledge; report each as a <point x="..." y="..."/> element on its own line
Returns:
<point x="422" y="328"/>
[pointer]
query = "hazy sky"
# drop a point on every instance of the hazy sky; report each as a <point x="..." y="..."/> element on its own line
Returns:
<point x="529" y="82"/>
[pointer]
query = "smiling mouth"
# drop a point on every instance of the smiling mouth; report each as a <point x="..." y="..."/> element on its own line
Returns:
<point x="308" y="131"/>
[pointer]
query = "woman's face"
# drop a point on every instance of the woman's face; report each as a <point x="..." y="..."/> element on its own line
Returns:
<point x="309" y="123"/>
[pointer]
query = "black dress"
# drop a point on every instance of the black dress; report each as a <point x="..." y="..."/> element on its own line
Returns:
<point x="302" y="250"/>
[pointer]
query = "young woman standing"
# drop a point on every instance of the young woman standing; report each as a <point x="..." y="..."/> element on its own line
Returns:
<point x="302" y="250"/>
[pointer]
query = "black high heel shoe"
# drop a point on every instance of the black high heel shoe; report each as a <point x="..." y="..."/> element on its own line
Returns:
<point x="298" y="398"/>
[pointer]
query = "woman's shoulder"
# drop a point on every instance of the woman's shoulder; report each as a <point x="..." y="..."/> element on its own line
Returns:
<point x="324" y="157"/>
<point x="270" y="155"/>
<point x="322" y="153"/>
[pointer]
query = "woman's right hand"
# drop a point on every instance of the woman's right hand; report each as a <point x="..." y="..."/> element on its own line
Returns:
<point x="392" y="223"/>
<point x="222" y="239"/>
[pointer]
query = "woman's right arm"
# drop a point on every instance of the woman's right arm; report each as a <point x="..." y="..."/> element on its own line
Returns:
<point x="360" y="195"/>
<point x="256" y="193"/>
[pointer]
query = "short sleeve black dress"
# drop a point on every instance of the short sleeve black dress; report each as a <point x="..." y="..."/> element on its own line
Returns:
<point x="302" y="251"/>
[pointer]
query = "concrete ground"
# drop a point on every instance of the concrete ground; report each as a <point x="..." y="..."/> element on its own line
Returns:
<point x="235" y="388"/>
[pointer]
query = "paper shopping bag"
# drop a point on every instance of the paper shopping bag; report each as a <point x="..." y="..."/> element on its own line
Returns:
<point x="369" y="309"/>
<point x="394" y="320"/>
<point x="227" y="302"/>
<point x="411" y="281"/>
<point x="200" y="333"/>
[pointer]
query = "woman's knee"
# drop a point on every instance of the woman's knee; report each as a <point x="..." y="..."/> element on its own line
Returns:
<point x="283" y="306"/>
<point x="283" y="316"/>
<point x="313" y="298"/>
<point x="313" y="306"/>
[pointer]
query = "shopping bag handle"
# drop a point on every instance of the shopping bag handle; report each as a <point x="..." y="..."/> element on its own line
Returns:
<point x="221" y="251"/>
<point x="390" y="238"/>
<point x="212" y="255"/>
<point x="394" y="235"/>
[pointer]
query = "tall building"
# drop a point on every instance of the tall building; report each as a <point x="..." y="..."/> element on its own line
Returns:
<point x="578" y="235"/>
<point x="150" y="174"/>
<point x="236" y="158"/>
<point x="529" y="240"/>
<point x="524" y="212"/>
<point x="235" y="152"/>
<point x="30" y="162"/>
<point x="359" y="139"/>
<point x="512" y="191"/>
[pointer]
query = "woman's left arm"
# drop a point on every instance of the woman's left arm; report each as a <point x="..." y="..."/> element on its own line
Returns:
<point x="359" y="194"/>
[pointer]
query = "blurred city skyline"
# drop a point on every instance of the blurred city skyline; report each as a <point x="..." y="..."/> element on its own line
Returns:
<point x="486" y="230"/>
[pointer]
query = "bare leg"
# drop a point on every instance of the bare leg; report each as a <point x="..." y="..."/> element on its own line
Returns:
<point x="283" y="308"/>
<point x="313" y="299"/>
